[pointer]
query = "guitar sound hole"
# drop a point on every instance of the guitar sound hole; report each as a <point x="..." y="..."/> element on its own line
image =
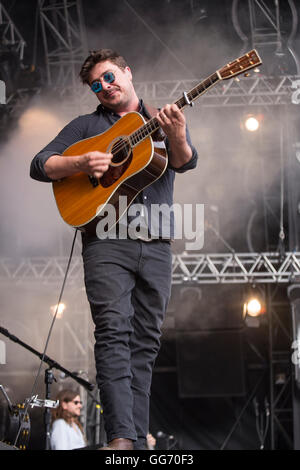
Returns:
<point x="121" y="149"/>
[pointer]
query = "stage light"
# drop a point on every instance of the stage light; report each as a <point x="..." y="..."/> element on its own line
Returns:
<point x="60" y="308"/>
<point x="254" y="308"/>
<point x="251" y="124"/>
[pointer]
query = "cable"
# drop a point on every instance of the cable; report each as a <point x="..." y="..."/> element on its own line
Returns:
<point x="48" y="338"/>
<point x="262" y="424"/>
<point x="281" y="230"/>
<point x="147" y="26"/>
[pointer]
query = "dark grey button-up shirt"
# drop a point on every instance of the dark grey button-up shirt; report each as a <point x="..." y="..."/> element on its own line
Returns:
<point x="89" y="125"/>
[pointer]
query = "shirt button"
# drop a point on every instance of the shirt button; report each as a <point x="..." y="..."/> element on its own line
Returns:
<point x="145" y="197"/>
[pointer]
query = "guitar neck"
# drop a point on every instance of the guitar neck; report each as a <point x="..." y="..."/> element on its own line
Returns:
<point x="186" y="100"/>
<point x="197" y="91"/>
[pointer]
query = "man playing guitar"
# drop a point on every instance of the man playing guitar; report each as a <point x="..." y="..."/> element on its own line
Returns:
<point x="127" y="280"/>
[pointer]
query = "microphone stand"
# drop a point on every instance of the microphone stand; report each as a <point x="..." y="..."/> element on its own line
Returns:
<point x="49" y="377"/>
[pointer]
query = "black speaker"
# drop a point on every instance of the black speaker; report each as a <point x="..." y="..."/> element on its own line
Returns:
<point x="208" y="307"/>
<point x="210" y="364"/>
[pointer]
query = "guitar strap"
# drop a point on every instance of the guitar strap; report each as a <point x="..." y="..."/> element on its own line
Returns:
<point x="152" y="111"/>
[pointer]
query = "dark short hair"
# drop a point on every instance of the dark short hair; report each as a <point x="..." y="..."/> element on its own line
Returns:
<point x="98" y="56"/>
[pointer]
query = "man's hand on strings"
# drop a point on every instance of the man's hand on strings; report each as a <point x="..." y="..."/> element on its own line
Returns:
<point x="95" y="163"/>
<point x="173" y="123"/>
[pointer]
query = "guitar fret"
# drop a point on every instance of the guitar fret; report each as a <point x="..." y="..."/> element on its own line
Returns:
<point x="202" y="87"/>
<point x="132" y="140"/>
<point x="180" y="103"/>
<point x="69" y="197"/>
<point x="143" y="132"/>
<point x="152" y="125"/>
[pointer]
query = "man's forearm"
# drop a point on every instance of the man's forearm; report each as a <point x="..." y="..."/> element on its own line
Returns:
<point x="57" y="166"/>
<point x="92" y="163"/>
<point x="180" y="154"/>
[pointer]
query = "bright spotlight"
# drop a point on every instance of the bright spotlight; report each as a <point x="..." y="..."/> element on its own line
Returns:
<point x="254" y="310"/>
<point x="60" y="308"/>
<point x="252" y="124"/>
<point x="253" y="307"/>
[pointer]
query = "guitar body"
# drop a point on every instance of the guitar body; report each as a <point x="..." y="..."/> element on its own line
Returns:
<point x="81" y="200"/>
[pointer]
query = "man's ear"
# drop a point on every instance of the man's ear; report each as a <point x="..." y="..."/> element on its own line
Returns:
<point x="128" y="71"/>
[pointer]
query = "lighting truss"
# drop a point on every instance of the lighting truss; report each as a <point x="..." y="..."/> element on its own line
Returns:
<point x="251" y="91"/>
<point x="44" y="269"/>
<point x="256" y="90"/>
<point x="211" y="268"/>
<point x="64" y="39"/>
<point x="10" y="33"/>
<point x="236" y="268"/>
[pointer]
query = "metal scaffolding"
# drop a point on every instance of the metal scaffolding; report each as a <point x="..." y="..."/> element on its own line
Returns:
<point x="10" y="35"/>
<point x="188" y="268"/>
<point x="64" y="40"/>
<point x="65" y="43"/>
<point x="265" y="28"/>
<point x="12" y="42"/>
<point x="255" y="90"/>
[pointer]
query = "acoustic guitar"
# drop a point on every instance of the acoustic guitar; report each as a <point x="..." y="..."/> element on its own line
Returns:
<point x="82" y="200"/>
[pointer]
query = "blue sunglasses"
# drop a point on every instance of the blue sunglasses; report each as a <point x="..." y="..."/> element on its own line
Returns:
<point x="96" y="86"/>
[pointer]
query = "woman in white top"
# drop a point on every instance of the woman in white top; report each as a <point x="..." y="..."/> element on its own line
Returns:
<point x="66" y="431"/>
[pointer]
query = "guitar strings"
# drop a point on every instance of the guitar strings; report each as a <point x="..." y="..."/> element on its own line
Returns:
<point x="152" y="125"/>
<point x="182" y="102"/>
<point x="146" y="130"/>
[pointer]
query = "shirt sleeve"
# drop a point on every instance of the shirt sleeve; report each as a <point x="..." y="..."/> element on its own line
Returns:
<point x="192" y="163"/>
<point x="59" y="435"/>
<point x="71" y="133"/>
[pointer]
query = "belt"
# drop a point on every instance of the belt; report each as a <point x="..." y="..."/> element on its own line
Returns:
<point x="144" y="238"/>
<point x="159" y="239"/>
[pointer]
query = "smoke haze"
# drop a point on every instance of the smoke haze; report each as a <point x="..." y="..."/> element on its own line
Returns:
<point x="236" y="170"/>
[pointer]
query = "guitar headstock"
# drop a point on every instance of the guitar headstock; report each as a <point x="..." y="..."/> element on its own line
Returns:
<point x="240" y="65"/>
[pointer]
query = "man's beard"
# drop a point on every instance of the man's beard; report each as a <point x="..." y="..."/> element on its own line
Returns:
<point x="121" y="103"/>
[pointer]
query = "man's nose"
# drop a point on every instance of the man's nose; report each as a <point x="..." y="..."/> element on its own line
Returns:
<point x="106" y="85"/>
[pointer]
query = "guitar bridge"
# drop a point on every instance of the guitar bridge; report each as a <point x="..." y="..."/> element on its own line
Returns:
<point x="94" y="181"/>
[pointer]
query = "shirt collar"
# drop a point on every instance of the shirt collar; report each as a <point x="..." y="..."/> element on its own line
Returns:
<point x="104" y="109"/>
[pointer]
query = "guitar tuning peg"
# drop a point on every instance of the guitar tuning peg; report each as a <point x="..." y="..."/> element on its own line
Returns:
<point x="256" y="70"/>
<point x="247" y="74"/>
<point x="237" y="79"/>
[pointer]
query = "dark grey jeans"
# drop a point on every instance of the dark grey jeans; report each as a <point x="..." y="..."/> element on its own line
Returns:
<point x="128" y="287"/>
